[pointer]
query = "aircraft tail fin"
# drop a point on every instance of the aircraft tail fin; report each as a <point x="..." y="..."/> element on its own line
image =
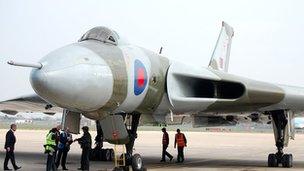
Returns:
<point x="220" y="56"/>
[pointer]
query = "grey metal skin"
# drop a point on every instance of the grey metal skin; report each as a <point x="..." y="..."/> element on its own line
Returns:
<point x="92" y="77"/>
<point x="73" y="77"/>
<point x="102" y="75"/>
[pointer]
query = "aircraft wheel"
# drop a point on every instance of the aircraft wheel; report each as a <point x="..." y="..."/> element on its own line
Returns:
<point x="128" y="159"/>
<point x="272" y="160"/>
<point x="102" y="155"/>
<point x="112" y="154"/>
<point x="107" y="155"/>
<point x="94" y="155"/>
<point x="287" y="160"/>
<point x="137" y="163"/>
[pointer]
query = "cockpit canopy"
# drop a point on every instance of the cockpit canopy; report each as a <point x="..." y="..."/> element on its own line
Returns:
<point x="102" y="34"/>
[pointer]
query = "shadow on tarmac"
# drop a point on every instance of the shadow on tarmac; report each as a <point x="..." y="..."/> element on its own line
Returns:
<point x="36" y="161"/>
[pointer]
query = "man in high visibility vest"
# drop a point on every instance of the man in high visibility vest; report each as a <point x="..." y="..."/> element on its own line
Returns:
<point x="165" y="143"/>
<point x="181" y="141"/>
<point x="50" y="148"/>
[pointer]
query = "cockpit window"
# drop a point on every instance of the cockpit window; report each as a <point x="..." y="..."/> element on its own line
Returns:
<point x="102" y="34"/>
<point x="111" y="39"/>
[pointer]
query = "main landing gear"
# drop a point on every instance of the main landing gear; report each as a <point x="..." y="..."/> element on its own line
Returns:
<point x="280" y="128"/>
<point x="98" y="153"/>
<point x="124" y="125"/>
<point x="133" y="160"/>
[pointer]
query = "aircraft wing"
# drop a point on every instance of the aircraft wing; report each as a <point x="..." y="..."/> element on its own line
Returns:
<point x="28" y="104"/>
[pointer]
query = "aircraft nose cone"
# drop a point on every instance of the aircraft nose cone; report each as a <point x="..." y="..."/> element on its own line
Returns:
<point x="38" y="80"/>
<point x="74" y="78"/>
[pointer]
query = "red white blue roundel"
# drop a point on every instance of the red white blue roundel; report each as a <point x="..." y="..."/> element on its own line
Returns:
<point x="140" y="77"/>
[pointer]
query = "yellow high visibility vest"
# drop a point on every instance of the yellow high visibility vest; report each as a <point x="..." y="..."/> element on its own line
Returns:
<point x="50" y="143"/>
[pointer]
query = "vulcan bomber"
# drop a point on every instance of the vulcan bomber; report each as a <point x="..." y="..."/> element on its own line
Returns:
<point x="119" y="85"/>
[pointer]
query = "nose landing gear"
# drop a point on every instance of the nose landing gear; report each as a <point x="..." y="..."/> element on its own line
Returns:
<point x="135" y="161"/>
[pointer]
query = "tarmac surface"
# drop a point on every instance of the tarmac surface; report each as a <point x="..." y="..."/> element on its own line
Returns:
<point x="205" y="151"/>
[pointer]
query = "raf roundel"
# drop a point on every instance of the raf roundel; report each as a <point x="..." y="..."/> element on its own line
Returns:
<point x="140" y="77"/>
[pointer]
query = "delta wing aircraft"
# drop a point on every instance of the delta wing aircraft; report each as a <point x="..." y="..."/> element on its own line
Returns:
<point x="104" y="78"/>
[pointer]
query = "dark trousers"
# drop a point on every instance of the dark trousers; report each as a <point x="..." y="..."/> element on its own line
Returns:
<point x="61" y="153"/>
<point x="9" y="156"/>
<point x="50" y="163"/>
<point x="180" y="154"/>
<point x="55" y="153"/>
<point x="85" y="162"/>
<point x="165" y="153"/>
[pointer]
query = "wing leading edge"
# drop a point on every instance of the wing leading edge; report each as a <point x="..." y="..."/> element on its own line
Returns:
<point x="29" y="104"/>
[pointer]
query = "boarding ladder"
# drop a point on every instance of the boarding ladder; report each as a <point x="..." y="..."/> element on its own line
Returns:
<point x="119" y="155"/>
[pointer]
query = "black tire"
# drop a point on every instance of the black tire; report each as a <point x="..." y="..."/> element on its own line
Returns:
<point x="107" y="155"/>
<point x="93" y="155"/>
<point x="102" y="155"/>
<point x="137" y="163"/>
<point x="272" y="160"/>
<point x="128" y="159"/>
<point x="287" y="160"/>
<point x="112" y="154"/>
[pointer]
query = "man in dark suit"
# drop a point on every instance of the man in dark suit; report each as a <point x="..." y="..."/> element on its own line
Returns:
<point x="65" y="141"/>
<point x="9" y="146"/>
<point x="85" y="142"/>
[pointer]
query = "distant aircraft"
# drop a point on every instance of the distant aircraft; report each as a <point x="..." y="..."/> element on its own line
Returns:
<point x="116" y="83"/>
<point x="22" y="121"/>
<point x="299" y="123"/>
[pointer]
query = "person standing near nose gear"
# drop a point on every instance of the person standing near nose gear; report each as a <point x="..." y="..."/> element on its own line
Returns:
<point x="165" y="142"/>
<point x="181" y="141"/>
<point x="50" y="148"/>
<point x="86" y="143"/>
<point x="57" y="137"/>
<point x="65" y="141"/>
<point x="9" y="146"/>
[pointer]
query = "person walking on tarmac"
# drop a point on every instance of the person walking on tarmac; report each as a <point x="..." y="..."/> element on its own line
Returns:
<point x="181" y="141"/>
<point x="9" y="146"/>
<point x="85" y="142"/>
<point x="50" y="148"/>
<point x="65" y="140"/>
<point x="165" y="143"/>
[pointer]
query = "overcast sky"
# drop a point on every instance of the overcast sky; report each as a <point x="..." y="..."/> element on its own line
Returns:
<point x="268" y="42"/>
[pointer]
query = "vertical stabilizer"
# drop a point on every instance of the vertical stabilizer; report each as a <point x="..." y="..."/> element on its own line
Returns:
<point x="220" y="56"/>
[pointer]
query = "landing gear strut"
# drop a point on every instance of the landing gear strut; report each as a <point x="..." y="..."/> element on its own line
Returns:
<point x="280" y="122"/>
<point x="98" y="153"/>
<point x="134" y="160"/>
<point x="99" y="136"/>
